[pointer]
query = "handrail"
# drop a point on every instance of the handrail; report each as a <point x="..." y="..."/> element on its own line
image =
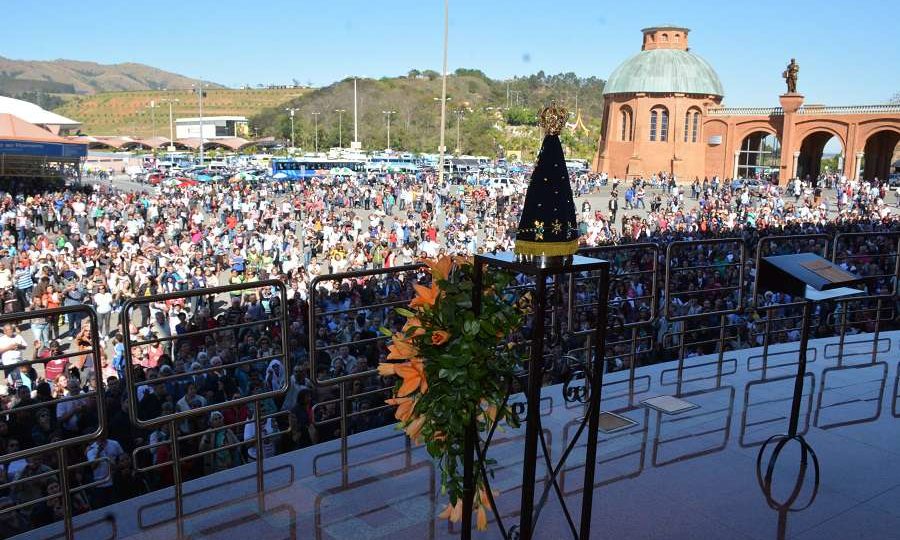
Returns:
<point x="313" y="316"/>
<point x="132" y="384"/>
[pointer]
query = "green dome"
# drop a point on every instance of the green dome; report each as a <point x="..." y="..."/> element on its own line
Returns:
<point x="664" y="71"/>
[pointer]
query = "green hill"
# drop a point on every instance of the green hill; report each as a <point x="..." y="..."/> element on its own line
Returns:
<point x="128" y="113"/>
<point x="489" y="114"/>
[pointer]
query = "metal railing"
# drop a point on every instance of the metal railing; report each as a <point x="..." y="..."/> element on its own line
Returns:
<point x="849" y="109"/>
<point x="278" y="321"/>
<point x="745" y="111"/>
<point x="630" y="342"/>
<point x="91" y="349"/>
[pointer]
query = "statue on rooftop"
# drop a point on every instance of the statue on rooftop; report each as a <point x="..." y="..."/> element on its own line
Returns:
<point x="790" y="76"/>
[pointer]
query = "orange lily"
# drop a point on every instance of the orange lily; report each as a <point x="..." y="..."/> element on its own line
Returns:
<point x="452" y="512"/>
<point x="462" y="260"/>
<point x="414" y="324"/>
<point x="415" y="427"/>
<point x="386" y="369"/>
<point x="413" y="374"/>
<point x="425" y="296"/>
<point x="481" y="519"/>
<point x="440" y="268"/>
<point x="404" y="407"/>
<point x="401" y="349"/>
<point x="439" y="337"/>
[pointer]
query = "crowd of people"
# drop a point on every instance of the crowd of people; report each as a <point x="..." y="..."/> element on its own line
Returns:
<point x="119" y="251"/>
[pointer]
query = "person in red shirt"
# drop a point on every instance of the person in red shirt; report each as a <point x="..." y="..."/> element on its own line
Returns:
<point x="53" y="368"/>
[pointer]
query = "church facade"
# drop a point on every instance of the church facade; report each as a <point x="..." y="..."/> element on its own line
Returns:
<point x="663" y="113"/>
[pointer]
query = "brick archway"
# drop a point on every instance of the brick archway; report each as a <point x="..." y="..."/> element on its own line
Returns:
<point x="812" y="148"/>
<point x="878" y="153"/>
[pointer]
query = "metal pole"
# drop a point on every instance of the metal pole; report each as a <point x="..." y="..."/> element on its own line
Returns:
<point x="171" y="125"/>
<point x="153" y="117"/>
<point x="471" y="437"/>
<point x="64" y="492"/>
<point x="201" y="121"/>
<point x="590" y="460"/>
<point x="176" y="477"/>
<point x="355" y="117"/>
<point x="458" y="116"/>
<point x="533" y="422"/>
<point x="316" y="117"/>
<point x="260" y="472"/>
<point x="340" y="126"/>
<point x="388" y="114"/>
<point x="442" y="149"/>
<point x="345" y="459"/>
<point x="801" y="369"/>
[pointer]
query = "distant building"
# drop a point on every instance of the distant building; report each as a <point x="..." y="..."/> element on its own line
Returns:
<point x="214" y="127"/>
<point x="663" y="113"/>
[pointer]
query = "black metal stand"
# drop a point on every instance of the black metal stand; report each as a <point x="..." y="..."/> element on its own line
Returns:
<point x="541" y="271"/>
<point x="782" y="439"/>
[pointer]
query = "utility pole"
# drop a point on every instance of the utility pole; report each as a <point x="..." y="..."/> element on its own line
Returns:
<point x="388" y="115"/>
<point x="170" y="101"/>
<point x="356" y="145"/>
<point x="459" y="113"/>
<point x="152" y="108"/>
<point x="442" y="147"/>
<point x="292" y="110"/>
<point x="316" y="116"/>
<point x="199" y="89"/>
<point x="340" y="126"/>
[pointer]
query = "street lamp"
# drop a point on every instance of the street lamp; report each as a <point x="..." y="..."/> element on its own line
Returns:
<point x="201" y="93"/>
<point x="340" y="126"/>
<point x="170" y="101"/>
<point x="442" y="148"/>
<point x="388" y="115"/>
<point x="316" y="117"/>
<point x="292" y="110"/>
<point x="153" y="106"/>
<point x="459" y="113"/>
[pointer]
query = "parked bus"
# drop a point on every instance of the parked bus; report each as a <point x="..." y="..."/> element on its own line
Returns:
<point x="298" y="168"/>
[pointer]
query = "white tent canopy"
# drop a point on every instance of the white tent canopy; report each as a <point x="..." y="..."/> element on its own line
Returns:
<point x="34" y="114"/>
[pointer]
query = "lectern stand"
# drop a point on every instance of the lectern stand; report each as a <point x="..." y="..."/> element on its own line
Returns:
<point x="811" y="278"/>
<point x="543" y="270"/>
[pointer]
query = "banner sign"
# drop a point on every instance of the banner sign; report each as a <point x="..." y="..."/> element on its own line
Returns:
<point x="27" y="148"/>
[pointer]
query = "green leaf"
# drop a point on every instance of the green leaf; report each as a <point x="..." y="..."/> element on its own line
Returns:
<point x="405" y="312"/>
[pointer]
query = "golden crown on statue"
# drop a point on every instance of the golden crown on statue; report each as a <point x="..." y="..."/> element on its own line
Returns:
<point x="553" y="118"/>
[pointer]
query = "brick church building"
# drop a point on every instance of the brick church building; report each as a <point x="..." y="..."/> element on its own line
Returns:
<point x="664" y="112"/>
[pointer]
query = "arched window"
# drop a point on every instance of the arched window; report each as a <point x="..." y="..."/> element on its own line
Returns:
<point x="659" y="124"/>
<point x="691" y="125"/>
<point x="677" y="38"/>
<point x="665" y="38"/>
<point x="626" y="120"/>
<point x="695" y="129"/>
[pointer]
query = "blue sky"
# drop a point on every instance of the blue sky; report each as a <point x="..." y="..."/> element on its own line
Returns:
<point x="846" y="52"/>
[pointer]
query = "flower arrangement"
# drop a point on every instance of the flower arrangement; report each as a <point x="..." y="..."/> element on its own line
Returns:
<point x="452" y="366"/>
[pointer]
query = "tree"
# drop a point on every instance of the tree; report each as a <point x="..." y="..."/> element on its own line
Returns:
<point x="521" y="116"/>
<point x="895" y="99"/>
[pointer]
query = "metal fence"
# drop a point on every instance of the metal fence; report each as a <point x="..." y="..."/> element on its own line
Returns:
<point x="656" y="315"/>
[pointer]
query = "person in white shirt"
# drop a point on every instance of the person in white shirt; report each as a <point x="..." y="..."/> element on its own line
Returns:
<point x="102" y="493"/>
<point x="103" y="303"/>
<point x="11" y="347"/>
